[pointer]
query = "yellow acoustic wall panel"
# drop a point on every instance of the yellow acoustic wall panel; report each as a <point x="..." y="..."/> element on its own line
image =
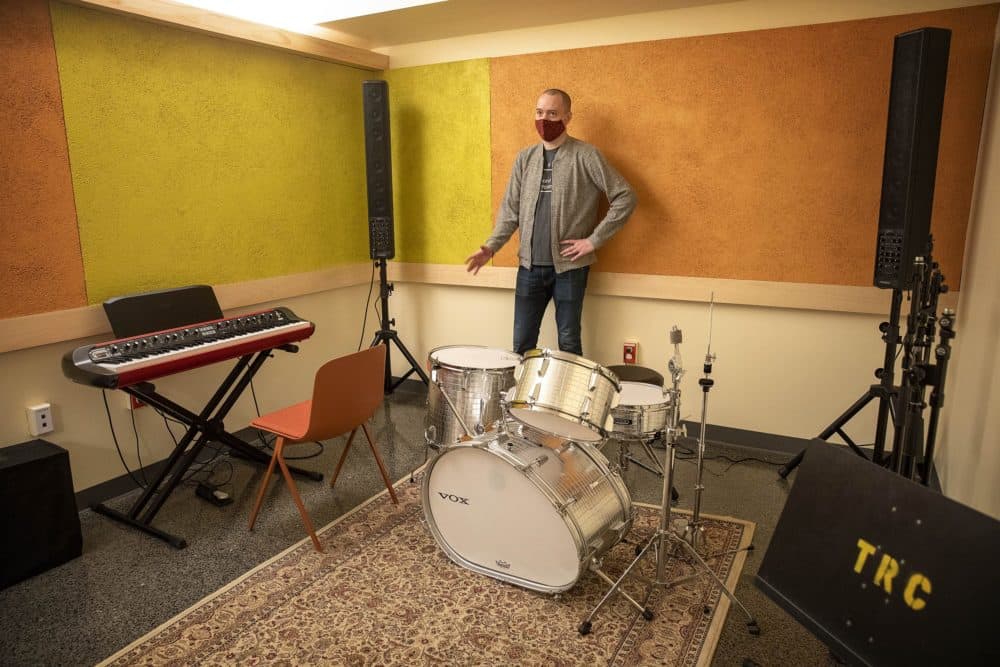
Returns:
<point x="40" y="264"/>
<point x="440" y="131"/>
<point x="200" y="160"/>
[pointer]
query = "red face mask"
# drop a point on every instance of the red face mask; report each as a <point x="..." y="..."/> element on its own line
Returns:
<point x="549" y="130"/>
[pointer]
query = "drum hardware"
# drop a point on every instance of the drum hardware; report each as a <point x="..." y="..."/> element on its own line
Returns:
<point x="658" y="541"/>
<point x="540" y="461"/>
<point x="451" y="404"/>
<point x="695" y="531"/>
<point x="562" y="509"/>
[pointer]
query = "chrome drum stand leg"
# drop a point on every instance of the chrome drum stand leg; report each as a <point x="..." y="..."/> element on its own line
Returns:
<point x="664" y="542"/>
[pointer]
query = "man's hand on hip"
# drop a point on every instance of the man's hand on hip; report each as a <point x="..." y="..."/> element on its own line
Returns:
<point x="478" y="260"/>
<point x="574" y="249"/>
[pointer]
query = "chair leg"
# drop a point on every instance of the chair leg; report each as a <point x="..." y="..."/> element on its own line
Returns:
<point x="381" y="466"/>
<point x="343" y="457"/>
<point x="264" y="482"/>
<point x="298" y="500"/>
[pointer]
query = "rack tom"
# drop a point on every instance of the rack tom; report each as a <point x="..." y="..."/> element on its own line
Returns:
<point x="564" y="394"/>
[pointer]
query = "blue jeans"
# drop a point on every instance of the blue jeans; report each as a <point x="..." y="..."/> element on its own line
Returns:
<point x="535" y="286"/>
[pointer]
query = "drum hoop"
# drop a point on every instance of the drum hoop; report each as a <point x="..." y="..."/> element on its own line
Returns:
<point x="576" y="360"/>
<point x="538" y="407"/>
<point x="643" y="408"/>
<point x="496" y="370"/>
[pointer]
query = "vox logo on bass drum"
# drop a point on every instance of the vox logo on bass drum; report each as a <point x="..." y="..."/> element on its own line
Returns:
<point x="453" y="498"/>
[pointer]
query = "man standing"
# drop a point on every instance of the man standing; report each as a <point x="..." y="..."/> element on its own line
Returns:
<point x="552" y="196"/>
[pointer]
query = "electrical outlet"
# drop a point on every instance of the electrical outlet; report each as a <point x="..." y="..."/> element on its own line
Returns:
<point x="630" y="352"/>
<point x="40" y="419"/>
<point x="134" y="403"/>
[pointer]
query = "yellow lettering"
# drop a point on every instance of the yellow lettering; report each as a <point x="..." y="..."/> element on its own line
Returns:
<point x="864" y="551"/>
<point x="887" y="569"/>
<point x="916" y="604"/>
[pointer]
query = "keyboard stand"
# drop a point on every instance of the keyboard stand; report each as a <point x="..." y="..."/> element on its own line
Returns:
<point x="202" y="427"/>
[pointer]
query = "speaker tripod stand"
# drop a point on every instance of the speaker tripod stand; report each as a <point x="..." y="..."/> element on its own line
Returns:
<point x="386" y="334"/>
<point x="885" y="391"/>
<point x="665" y="542"/>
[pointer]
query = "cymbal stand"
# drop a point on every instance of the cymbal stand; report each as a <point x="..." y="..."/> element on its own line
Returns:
<point x="694" y="531"/>
<point x="658" y="541"/>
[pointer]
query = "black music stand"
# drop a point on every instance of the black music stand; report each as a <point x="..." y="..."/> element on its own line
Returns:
<point x="167" y="309"/>
<point x="910" y="580"/>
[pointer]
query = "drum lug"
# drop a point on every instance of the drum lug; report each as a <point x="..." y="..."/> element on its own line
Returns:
<point x="585" y="406"/>
<point x="544" y="367"/>
<point x="562" y="509"/>
<point x="592" y="385"/>
<point x="525" y="467"/>
<point x="562" y="449"/>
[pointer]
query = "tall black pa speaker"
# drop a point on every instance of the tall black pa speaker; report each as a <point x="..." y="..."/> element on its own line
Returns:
<point x="916" y="97"/>
<point x="378" y="160"/>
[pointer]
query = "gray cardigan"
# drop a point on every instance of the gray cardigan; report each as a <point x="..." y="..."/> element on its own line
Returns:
<point x="579" y="175"/>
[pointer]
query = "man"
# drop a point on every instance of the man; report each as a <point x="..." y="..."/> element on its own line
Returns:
<point x="552" y="196"/>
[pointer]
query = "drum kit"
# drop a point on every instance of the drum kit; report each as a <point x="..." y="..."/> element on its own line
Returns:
<point x="518" y="488"/>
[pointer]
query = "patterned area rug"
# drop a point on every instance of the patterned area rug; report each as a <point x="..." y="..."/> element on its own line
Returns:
<point x="385" y="594"/>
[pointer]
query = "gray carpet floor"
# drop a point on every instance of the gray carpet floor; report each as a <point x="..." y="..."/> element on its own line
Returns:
<point x="127" y="583"/>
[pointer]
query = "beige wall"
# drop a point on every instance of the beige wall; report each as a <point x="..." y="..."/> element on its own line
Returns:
<point x="778" y="371"/>
<point x="969" y="456"/>
<point x="78" y="411"/>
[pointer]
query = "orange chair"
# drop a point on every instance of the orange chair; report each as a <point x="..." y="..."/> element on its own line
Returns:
<point x="346" y="394"/>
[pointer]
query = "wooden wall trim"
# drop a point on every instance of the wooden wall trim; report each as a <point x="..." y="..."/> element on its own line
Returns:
<point x="200" y="20"/>
<point x="18" y="333"/>
<point x="801" y="296"/>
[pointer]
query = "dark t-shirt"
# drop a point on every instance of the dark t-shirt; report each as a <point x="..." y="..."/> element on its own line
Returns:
<point x="541" y="230"/>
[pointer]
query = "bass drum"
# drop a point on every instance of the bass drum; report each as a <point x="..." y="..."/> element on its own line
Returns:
<point x="529" y="512"/>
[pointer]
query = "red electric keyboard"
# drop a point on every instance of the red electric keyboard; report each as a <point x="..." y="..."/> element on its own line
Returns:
<point x="127" y="361"/>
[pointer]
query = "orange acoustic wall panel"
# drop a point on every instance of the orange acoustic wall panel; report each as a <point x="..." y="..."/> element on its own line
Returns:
<point x="754" y="155"/>
<point x="40" y="260"/>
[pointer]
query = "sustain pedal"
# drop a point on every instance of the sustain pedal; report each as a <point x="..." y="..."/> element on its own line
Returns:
<point x="213" y="495"/>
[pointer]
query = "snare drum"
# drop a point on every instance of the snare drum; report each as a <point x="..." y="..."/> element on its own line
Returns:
<point x="524" y="513"/>
<point x="564" y="394"/>
<point x="475" y="378"/>
<point x="642" y="411"/>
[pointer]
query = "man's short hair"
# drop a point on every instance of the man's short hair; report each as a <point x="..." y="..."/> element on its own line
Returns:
<point x="567" y="102"/>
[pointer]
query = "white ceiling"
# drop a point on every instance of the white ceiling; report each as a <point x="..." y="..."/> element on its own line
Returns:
<point x="456" y="18"/>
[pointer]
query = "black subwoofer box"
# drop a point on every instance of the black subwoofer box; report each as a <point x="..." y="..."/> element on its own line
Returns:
<point x="39" y="525"/>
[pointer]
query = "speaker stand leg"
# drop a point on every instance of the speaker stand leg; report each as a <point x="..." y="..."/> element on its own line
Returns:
<point x="386" y="334"/>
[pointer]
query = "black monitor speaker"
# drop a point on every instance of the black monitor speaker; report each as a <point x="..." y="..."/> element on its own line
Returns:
<point x="916" y="98"/>
<point x="378" y="162"/>
<point x="39" y="525"/>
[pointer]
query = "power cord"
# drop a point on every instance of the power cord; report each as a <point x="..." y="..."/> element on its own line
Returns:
<point x="368" y="307"/>
<point x="114" y="436"/>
